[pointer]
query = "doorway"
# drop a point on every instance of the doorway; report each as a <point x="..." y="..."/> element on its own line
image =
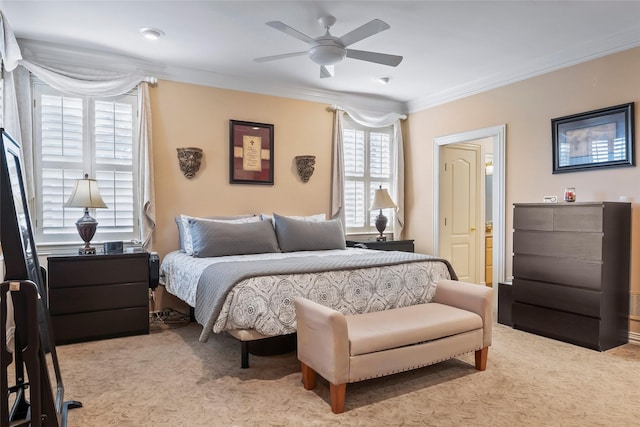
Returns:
<point x="497" y="134"/>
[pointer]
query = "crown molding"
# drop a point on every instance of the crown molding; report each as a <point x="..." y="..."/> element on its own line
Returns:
<point x="222" y="81"/>
<point x="62" y="55"/>
<point x="515" y="72"/>
<point x="55" y="54"/>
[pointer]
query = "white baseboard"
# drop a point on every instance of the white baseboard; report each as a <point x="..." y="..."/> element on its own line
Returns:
<point x="634" y="338"/>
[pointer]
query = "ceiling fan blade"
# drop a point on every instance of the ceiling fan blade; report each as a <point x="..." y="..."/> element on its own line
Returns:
<point x="326" y="71"/>
<point x="282" y="56"/>
<point x="281" y="26"/>
<point x="364" y="31"/>
<point x="379" y="58"/>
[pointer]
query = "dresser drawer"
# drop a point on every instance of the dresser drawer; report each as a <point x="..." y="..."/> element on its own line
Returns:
<point x="558" y="218"/>
<point x="70" y="328"/>
<point x="568" y="327"/>
<point x="585" y="246"/>
<point x="96" y="298"/>
<point x="559" y="297"/>
<point x="566" y="271"/>
<point x="533" y="218"/>
<point x="578" y="218"/>
<point x="97" y="270"/>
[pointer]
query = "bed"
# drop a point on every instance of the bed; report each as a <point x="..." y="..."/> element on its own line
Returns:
<point x="241" y="274"/>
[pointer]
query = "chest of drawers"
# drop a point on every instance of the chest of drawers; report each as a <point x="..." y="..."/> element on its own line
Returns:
<point x="571" y="272"/>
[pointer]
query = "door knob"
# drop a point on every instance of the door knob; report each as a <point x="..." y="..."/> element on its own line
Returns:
<point x="473" y="229"/>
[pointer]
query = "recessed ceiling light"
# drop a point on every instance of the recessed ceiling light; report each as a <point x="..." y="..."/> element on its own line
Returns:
<point x="151" y="33"/>
<point x="383" y="79"/>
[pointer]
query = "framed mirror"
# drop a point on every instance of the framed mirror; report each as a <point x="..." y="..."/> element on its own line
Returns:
<point x="22" y="264"/>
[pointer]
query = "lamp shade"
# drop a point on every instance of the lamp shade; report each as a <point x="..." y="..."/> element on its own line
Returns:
<point x="382" y="200"/>
<point x="85" y="194"/>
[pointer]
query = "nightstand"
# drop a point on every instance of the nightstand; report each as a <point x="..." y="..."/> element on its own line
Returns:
<point x="505" y="301"/>
<point x="98" y="296"/>
<point x="386" y="245"/>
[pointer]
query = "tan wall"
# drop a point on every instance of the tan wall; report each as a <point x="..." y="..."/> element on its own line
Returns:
<point x="527" y="108"/>
<point x="188" y="115"/>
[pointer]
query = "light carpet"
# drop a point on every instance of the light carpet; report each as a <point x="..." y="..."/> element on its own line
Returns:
<point x="168" y="378"/>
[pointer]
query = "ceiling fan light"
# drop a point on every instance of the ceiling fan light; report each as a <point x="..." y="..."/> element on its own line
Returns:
<point x="327" y="55"/>
<point x="151" y="33"/>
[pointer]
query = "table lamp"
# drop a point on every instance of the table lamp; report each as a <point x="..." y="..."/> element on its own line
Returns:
<point x="85" y="195"/>
<point x="381" y="200"/>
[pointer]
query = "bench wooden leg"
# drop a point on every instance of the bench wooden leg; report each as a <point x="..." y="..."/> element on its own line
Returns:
<point x="481" y="358"/>
<point x="308" y="377"/>
<point x="337" y="397"/>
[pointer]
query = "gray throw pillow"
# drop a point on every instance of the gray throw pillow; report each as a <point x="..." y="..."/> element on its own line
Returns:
<point x="300" y="235"/>
<point x="184" y="235"/>
<point x="211" y="238"/>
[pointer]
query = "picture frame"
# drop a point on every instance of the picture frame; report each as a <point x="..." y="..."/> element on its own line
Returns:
<point x="601" y="138"/>
<point x="250" y="152"/>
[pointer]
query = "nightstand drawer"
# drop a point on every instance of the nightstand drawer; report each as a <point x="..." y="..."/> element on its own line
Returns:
<point x="384" y="245"/>
<point x="96" y="298"/>
<point x="71" y="328"/>
<point x="90" y="270"/>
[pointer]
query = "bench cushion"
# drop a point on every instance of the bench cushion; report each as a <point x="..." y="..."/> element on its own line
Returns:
<point x="382" y="330"/>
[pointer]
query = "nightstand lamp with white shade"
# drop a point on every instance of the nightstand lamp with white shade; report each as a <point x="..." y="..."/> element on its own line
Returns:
<point x="381" y="200"/>
<point x="85" y="195"/>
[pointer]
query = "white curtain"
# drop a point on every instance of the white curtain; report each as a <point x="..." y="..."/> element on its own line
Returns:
<point x="145" y="166"/>
<point x="374" y="120"/>
<point x="84" y="82"/>
<point x="337" y="170"/>
<point x="76" y="81"/>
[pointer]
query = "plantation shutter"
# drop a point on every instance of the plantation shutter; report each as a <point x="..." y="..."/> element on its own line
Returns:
<point x="367" y="166"/>
<point x="77" y="135"/>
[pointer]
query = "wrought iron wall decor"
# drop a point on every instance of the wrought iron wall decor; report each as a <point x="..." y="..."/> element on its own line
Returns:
<point x="306" y="166"/>
<point x="190" y="159"/>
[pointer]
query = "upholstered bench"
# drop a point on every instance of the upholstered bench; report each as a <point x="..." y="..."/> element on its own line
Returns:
<point x="349" y="348"/>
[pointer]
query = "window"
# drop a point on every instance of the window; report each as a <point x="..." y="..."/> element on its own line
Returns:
<point x="77" y="135"/>
<point x="368" y="164"/>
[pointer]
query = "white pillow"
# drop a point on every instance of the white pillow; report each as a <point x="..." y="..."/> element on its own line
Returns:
<point x="188" y="240"/>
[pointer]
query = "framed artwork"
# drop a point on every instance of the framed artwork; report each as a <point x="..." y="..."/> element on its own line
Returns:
<point x="251" y="153"/>
<point x="595" y="139"/>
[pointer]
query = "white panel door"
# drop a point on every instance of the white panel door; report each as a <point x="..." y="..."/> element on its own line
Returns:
<point x="459" y="209"/>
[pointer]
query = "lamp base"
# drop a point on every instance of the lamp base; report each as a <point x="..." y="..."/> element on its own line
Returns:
<point x="381" y="224"/>
<point x="86" y="227"/>
<point x="87" y="251"/>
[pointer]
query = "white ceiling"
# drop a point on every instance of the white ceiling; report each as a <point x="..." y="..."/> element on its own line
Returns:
<point x="451" y="49"/>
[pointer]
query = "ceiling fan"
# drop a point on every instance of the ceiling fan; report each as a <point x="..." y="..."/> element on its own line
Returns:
<point x="327" y="50"/>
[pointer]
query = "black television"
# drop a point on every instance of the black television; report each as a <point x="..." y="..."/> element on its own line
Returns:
<point x="21" y="265"/>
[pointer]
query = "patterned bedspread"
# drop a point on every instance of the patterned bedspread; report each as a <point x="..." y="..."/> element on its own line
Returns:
<point x="265" y="303"/>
